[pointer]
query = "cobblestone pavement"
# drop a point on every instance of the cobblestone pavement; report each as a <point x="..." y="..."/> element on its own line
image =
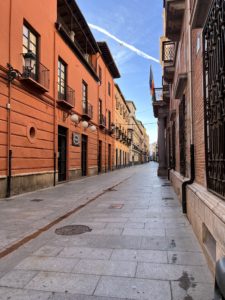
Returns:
<point x="140" y="246"/>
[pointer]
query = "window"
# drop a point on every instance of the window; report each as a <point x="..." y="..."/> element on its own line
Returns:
<point x="100" y="73"/>
<point x="100" y="110"/>
<point x="85" y="96"/>
<point x="109" y="120"/>
<point x="61" y="80"/>
<point x="214" y="79"/>
<point x="109" y="89"/>
<point x="173" y="156"/>
<point x="30" y="42"/>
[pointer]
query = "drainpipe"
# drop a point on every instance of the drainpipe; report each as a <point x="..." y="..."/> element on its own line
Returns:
<point x="98" y="55"/>
<point x="190" y="181"/>
<point x="9" y="151"/>
<point x="54" y="120"/>
<point x="190" y="81"/>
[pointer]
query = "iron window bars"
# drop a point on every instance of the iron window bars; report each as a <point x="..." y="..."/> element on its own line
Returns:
<point x="214" y="97"/>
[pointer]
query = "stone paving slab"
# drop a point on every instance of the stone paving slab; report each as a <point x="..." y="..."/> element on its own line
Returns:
<point x="172" y="272"/>
<point x="139" y="255"/>
<point x="88" y="253"/>
<point x="20" y="216"/>
<point x="197" y="291"/>
<point x="17" y="278"/>
<point x="21" y="294"/>
<point x="186" y="258"/>
<point x="64" y="282"/>
<point x="103" y="267"/>
<point x="61" y="296"/>
<point x="51" y="264"/>
<point x="133" y="288"/>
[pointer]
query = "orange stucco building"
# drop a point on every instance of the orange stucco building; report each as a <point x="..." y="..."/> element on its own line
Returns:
<point x="57" y="117"/>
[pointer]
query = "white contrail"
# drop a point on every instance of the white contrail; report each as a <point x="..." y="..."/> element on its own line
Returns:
<point x="132" y="48"/>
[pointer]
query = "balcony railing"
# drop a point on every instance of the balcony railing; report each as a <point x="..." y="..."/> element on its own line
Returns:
<point x="117" y="134"/>
<point x="169" y="50"/>
<point x="102" y="121"/>
<point x="87" y="110"/>
<point x="67" y="98"/>
<point x="39" y="76"/>
<point x="158" y="94"/>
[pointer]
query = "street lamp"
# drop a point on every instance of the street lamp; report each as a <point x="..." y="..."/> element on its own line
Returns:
<point x="29" y="63"/>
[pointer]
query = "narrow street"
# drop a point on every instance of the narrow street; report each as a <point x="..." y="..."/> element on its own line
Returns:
<point x="139" y="245"/>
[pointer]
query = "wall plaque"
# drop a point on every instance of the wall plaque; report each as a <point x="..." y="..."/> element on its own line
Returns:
<point x="76" y="139"/>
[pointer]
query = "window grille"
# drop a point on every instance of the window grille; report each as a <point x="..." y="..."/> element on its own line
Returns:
<point x="214" y="97"/>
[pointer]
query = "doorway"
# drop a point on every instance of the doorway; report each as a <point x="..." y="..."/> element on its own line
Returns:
<point x="99" y="157"/>
<point x="84" y="155"/>
<point x="62" y="153"/>
<point x="109" y="157"/>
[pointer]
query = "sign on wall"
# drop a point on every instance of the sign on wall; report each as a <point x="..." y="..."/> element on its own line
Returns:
<point x="76" y="139"/>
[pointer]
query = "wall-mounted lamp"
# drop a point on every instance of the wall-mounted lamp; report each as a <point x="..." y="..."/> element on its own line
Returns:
<point x="93" y="128"/>
<point x="29" y="63"/>
<point x="84" y="124"/>
<point x="75" y="118"/>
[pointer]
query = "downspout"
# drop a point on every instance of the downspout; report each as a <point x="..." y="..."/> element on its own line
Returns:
<point x="9" y="151"/>
<point x="98" y="55"/>
<point x="192" y="149"/>
<point x="54" y="120"/>
<point x="106" y="89"/>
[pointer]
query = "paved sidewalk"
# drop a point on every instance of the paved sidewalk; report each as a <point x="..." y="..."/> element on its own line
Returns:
<point x="23" y="215"/>
<point x="140" y="247"/>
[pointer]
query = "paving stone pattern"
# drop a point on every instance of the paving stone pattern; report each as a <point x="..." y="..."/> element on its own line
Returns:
<point x="143" y="248"/>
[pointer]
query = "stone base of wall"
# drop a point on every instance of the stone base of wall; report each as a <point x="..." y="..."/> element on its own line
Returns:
<point x="93" y="171"/>
<point x="162" y="172"/>
<point x="74" y="174"/>
<point x="177" y="180"/>
<point x="206" y="213"/>
<point x="3" y="185"/>
<point x="26" y="183"/>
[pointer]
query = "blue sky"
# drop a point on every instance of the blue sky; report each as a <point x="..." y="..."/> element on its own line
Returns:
<point x="138" y="23"/>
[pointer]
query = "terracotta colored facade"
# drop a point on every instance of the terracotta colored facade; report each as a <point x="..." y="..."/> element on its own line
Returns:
<point x="58" y="117"/>
<point x="194" y="146"/>
<point x="123" y="136"/>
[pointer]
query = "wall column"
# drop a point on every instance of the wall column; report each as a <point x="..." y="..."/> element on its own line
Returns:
<point x="162" y="169"/>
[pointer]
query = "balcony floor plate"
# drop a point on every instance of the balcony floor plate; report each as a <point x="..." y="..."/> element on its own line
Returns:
<point x="33" y="83"/>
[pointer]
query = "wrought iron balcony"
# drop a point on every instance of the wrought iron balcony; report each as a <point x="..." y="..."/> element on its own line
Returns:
<point x="38" y="77"/>
<point x="158" y="94"/>
<point x="169" y="52"/>
<point x="102" y="121"/>
<point x="67" y="98"/>
<point x="174" y="13"/>
<point x="117" y="134"/>
<point x="158" y="101"/>
<point x="87" y="113"/>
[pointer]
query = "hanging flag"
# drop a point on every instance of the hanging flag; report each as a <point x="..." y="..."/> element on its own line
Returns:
<point x="151" y="83"/>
